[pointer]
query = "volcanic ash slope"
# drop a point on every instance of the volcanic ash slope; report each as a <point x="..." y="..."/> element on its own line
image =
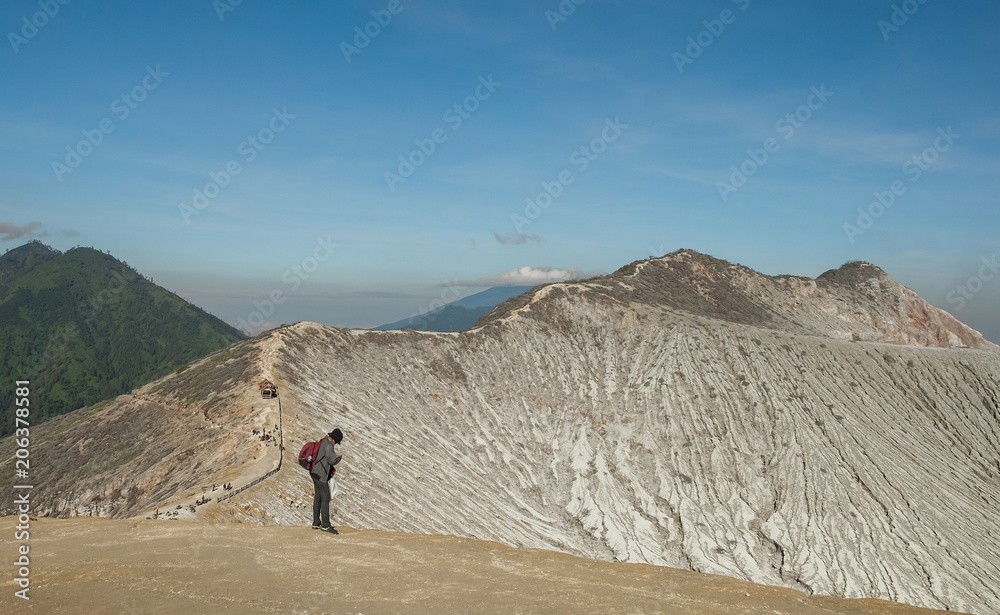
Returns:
<point x="681" y="412"/>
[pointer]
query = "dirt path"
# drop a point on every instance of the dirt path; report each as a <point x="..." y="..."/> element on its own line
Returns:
<point x="81" y="566"/>
<point x="263" y="415"/>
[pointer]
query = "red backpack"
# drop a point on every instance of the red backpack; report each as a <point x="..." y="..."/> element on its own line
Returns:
<point x="307" y="456"/>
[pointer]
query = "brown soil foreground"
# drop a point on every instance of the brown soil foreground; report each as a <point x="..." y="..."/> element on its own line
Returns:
<point x="141" y="567"/>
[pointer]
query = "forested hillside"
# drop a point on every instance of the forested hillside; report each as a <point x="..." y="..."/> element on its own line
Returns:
<point x="83" y="326"/>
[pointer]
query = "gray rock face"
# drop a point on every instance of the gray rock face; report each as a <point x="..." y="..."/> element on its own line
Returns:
<point x="592" y="418"/>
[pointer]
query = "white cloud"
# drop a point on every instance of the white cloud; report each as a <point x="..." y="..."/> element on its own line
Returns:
<point x="516" y="238"/>
<point x="531" y="276"/>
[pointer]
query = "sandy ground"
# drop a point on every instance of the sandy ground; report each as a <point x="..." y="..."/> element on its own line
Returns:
<point x="138" y="567"/>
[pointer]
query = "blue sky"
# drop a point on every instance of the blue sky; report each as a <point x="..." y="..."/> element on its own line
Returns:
<point x="635" y="114"/>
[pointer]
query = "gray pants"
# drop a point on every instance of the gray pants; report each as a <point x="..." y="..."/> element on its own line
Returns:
<point x="321" y="502"/>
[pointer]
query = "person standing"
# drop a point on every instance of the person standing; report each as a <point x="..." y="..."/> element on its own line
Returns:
<point x="321" y="473"/>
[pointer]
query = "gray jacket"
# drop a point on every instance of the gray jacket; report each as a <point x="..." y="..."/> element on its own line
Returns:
<point x="326" y="459"/>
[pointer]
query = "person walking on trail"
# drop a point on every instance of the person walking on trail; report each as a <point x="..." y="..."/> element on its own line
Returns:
<point x="321" y="473"/>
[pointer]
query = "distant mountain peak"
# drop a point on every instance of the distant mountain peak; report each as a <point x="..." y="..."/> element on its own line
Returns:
<point x="34" y="245"/>
<point x="21" y="260"/>
<point x="852" y="274"/>
<point x="857" y="301"/>
<point x="32" y="249"/>
<point x="458" y="315"/>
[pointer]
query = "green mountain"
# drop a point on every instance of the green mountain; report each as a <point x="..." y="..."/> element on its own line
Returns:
<point x="82" y="327"/>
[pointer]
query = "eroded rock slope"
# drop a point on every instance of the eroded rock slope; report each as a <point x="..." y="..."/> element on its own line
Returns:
<point x="596" y="419"/>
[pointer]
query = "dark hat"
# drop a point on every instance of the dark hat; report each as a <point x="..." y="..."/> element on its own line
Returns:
<point x="336" y="435"/>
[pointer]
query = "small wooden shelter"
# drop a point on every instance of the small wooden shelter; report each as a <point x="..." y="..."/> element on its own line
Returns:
<point x="267" y="389"/>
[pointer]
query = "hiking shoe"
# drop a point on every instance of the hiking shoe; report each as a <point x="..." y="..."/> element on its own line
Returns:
<point x="317" y="527"/>
<point x="330" y="530"/>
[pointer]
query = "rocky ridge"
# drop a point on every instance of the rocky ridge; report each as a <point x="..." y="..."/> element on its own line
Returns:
<point x="857" y="302"/>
